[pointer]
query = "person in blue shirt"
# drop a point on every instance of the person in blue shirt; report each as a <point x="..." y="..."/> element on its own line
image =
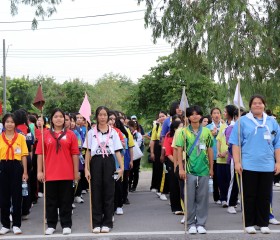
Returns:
<point x="260" y="146"/>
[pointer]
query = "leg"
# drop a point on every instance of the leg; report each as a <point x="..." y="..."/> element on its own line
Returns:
<point x="202" y="199"/>
<point x="216" y="192"/>
<point x="222" y="181"/>
<point x="136" y="167"/>
<point x="191" y="191"/>
<point x="52" y="203"/>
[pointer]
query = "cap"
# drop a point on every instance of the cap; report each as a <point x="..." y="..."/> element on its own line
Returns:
<point x="133" y="117"/>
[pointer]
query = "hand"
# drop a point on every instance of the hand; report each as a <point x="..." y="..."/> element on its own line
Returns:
<point x="77" y="176"/>
<point x="40" y="176"/>
<point x="238" y="168"/>
<point x="211" y="173"/>
<point x="120" y="173"/>
<point x="162" y="158"/>
<point x="277" y="168"/>
<point x="87" y="174"/>
<point x="152" y="156"/>
<point x="130" y="164"/>
<point x="24" y="177"/>
<point x="182" y="174"/>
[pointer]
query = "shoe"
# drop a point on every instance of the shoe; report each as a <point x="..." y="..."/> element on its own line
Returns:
<point x="96" y="230"/>
<point x="24" y="217"/>
<point x="50" y="231"/>
<point x="183" y="220"/>
<point x="224" y="204"/>
<point x="179" y="213"/>
<point x="231" y="210"/>
<point x="265" y="230"/>
<point x="238" y="202"/>
<point x="40" y="195"/>
<point x="127" y="202"/>
<point x="105" y="229"/>
<point x="73" y="206"/>
<point x="218" y="202"/>
<point x="163" y="197"/>
<point x="274" y="221"/>
<point x="84" y="192"/>
<point x="277" y="184"/>
<point x="158" y="194"/>
<point x="250" y="230"/>
<point x="192" y="230"/>
<point x="153" y="190"/>
<point x="66" y="231"/>
<point x="4" y="231"/>
<point x="119" y="211"/>
<point x="78" y="199"/>
<point x="17" y="230"/>
<point x="133" y="189"/>
<point x="201" y="230"/>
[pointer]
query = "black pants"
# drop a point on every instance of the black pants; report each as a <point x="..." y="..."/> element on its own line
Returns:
<point x="10" y="189"/>
<point x="216" y="192"/>
<point x="276" y="178"/>
<point x="233" y="186"/>
<point x="173" y="187"/>
<point x="257" y="189"/>
<point x="80" y="184"/>
<point x="125" y="184"/>
<point x="157" y="168"/>
<point x="103" y="190"/>
<point x="59" y="195"/>
<point x="118" y="202"/>
<point x="223" y="180"/>
<point x="33" y="180"/>
<point x="134" y="174"/>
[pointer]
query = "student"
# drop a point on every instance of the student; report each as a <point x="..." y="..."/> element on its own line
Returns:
<point x="13" y="170"/>
<point x="260" y="146"/>
<point x="205" y="120"/>
<point x="199" y="142"/>
<point x="61" y="169"/>
<point x="102" y="142"/>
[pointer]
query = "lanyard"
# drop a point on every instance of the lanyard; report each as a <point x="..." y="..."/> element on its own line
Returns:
<point x="103" y="146"/>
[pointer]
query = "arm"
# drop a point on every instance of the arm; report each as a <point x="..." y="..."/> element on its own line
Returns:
<point x="182" y="172"/>
<point x="75" y="159"/>
<point x="175" y="158"/>
<point x="152" y="146"/>
<point x="277" y="164"/>
<point x="236" y="158"/>
<point x="210" y="154"/>
<point x="120" y="161"/>
<point x="131" y="157"/>
<point x="24" y="163"/>
<point x="40" y="173"/>
<point x="87" y="161"/>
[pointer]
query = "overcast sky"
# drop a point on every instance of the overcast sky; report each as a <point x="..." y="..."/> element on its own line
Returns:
<point x="118" y="43"/>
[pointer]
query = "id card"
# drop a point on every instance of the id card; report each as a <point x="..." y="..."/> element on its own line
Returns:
<point x="202" y="146"/>
<point x="267" y="136"/>
<point x="17" y="150"/>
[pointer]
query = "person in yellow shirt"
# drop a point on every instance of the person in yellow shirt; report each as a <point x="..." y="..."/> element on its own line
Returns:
<point x="13" y="171"/>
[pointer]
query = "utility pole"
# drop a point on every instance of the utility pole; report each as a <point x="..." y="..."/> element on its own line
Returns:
<point x="4" y="79"/>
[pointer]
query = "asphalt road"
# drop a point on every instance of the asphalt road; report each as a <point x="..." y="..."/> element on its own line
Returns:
<point x="147" y="217"/>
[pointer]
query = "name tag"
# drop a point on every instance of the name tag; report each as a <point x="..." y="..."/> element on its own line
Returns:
<point x="202" y="146"/>
<point x="267" y="136"/>
<point x="64" y="137"/>
<point x="17" y="151"/>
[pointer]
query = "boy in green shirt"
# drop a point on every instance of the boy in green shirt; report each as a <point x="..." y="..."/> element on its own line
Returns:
<point x="198" y="141"/>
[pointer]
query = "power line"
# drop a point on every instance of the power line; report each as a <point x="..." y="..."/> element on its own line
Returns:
<point x="73" y="18"/>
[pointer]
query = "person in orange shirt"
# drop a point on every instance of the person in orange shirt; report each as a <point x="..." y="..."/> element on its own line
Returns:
<point x="13" y="170"/>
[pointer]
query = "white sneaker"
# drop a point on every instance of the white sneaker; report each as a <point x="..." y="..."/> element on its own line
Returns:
<point x="40" y="195"/>
<point x="163" y="197"/>
<point x="66" y="231"/>
<point x="84" y="192"/>
<point x="49" y="231"/>
<point x="250" y="230"/>
<point x="238" y="202"/>
<point x="183" y="220"/>
<point x="277" y="184"/>
<point x="17" y="230"/>
<point x="153" y="190"/>
<point x="179" y="213"/>
<point x="192" y="230"/>
<point x="224" y="204"/>
<point x="265" y="230"/>
<point x="105" y="229"/>
<point x="274" y="221"/>
<point x="158" y="194"/>
<point x="218" y="202"/>
<point x="73" y="206"/>
<point x="119" y="211"/>
<point x="96" y="230"/>
<point x="4" y="231"/>
<point x="231" y="210"/>
<point x="201" y="230"/>
<point x="78" y="199"/>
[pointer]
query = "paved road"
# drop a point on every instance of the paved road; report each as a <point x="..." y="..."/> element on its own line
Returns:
<point x="147" y="217"/>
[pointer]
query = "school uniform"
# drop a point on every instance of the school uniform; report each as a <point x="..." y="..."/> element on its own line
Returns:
<point x="59" y="175"/>
<point x="102" y="147"/>
<point x="259" y="140"/>
<point x="11" y="171"/>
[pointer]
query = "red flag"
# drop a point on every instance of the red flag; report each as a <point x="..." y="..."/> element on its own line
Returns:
<point x="39" y="100"/>
<point x="85" y="109"/>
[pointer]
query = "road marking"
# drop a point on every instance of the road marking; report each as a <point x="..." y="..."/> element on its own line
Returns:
<point x="119" y="234"/>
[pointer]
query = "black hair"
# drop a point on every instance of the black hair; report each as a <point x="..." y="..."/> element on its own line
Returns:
<point x="242" y="112"/>
<point x="177" y="116"/>
<point x="120" y="126"/>
<point x="53" y="113"/>
<point x="32" y="118"/>
<point x="73" y="116"/>
<point x="215" y="108"/>
<point x="131" y="124"/>
<point x="112" y="113"/>
<point x="81" y="115"/>
<point x="268" y="112"/>
<point x="173" y="108"/>
<point x="161" y="111"/>
<point x="21" y="118"/>
<point x="208" y="117"/>
<point x="98" y="111"/>
<point x="230" y="110"/>
<point x="174" y="125"/>
<point x="44" y="119"/>
<point x="257" y="96"/>
<point x="192" y="109"/>
<point x="6" y="116"/>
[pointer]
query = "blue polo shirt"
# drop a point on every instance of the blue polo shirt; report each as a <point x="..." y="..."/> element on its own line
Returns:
<point x="211" y="126"/>
<point x="165" y="127"/>
<point x="257" y="152"/>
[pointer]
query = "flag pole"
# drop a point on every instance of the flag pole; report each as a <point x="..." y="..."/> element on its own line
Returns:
<point x="185" y="180"/>
<point x="240" y="156"/>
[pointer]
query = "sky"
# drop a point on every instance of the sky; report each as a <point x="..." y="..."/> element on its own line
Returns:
<point x="117" y="43"/>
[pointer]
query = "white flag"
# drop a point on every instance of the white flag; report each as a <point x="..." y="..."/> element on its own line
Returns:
<point x="184" y="101"/>
<point x="235" y="100"/>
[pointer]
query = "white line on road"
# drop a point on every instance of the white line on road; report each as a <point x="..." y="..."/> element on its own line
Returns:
<point x="119" y="234"/>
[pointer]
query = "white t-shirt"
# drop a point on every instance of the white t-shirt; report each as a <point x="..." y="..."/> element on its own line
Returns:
<point x="114" y="143"/>
<point x="1" y="127"/>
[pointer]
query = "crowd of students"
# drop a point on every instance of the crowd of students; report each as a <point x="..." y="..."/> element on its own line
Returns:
<point x="72" y="157"/>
